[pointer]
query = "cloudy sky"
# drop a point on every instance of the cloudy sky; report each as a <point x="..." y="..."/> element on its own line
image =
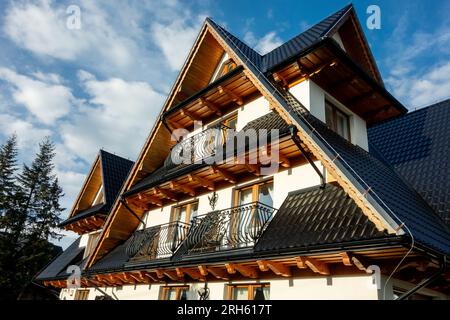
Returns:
<point x="101" y="86"/>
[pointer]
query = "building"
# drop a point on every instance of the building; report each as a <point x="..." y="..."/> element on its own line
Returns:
<point x="299" y="204"/>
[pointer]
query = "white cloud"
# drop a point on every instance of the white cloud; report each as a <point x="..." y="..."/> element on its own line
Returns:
<point x="117" y="117"/>
<point x="28" y="135"/>
<point x="265" y="44"/>
<point x="46" y="101"/>
<point x="175" y="39"/>
<point x="415" y="83"/>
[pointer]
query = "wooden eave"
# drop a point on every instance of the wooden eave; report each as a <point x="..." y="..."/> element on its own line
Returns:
<point x="86" y="225"/>
<point x="331" y="68"/>
<point x="213" y="102"/>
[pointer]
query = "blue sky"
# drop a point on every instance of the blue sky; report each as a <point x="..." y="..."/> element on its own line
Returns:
<point x="102" y="86"/>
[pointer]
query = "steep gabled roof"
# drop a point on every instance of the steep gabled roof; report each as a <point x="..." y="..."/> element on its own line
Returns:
<point x="417" y="145"/>
<point x="111" y="171"/>
<point x="305" y="40"/>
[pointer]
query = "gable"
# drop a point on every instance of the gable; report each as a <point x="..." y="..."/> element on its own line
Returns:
<point x="356" y="45"/>
<point x="90" y="189"/>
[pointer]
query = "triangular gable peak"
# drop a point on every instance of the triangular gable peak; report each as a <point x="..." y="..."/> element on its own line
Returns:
<point x="98" y="193"/>
<point x="349" y="34"/>
<point x="202" y="62"/>
<point x="198" y="72"/>
<point x="92" y="192"/>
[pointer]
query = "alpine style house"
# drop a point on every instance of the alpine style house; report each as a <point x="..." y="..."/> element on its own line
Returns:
<point x="357" y="206"/>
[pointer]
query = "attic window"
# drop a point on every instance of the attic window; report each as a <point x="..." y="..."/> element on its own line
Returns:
<point x="337" y="120"/>
<point x="226" y="67"/>
<point x="99" y="196"/>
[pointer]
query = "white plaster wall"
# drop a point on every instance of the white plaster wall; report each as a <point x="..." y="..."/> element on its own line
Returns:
<point x="313" y="98"/>
<point x="297" y="178"/>
<point x="251" y="111"/>
<point x="335" y="288"/>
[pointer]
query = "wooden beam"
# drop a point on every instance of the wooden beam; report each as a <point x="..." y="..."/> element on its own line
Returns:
<point x="277" y="268"/>
<point x="361" y="98"/>
<point x="211" y="106"/>
<point x="192" y="116"/>
<point x="152" y="199"/>
<point x="301" y="263"/>
<point x="279" y="78"/>
<point x="174" y="125"/>
<point x="225" y="174"/>
<point x="246" y="271"/>
<point x="159" y="273"/>
<point x="175" y="185"/>
<point x="230" y="268"/>
<point x="284" y="161"/>
<point x="193" y="273"/>
<point x="316" y="266"/>
<point x="172" y="275"/>
<point x="346" y="259"/>
<point x="179" y="272"/>
<point x="166" y="193"/>
<point x="202" y="181"/>
<point x="218" y="273"/>
<point x="203" y="270"/>
<point x="231" y="94"/>
<point x="253" y="168"/>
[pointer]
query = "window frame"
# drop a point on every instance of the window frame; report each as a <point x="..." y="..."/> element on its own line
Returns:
<point x="335" y="110"/>
<point x="250" y="289"/>
<point x="189" y="205"/>
<point x="178" y="291"/>
<point x="255" y="190"/>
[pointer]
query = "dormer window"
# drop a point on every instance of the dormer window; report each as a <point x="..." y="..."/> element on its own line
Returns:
<point x="337" y="120"/>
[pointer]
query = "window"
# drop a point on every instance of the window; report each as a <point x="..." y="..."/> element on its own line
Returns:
<point x="184" y="213"/>
<point x="82" y="294"/>
<point x="257" y="291"/>
<point x="99" y="196"/>
<point x="92" y="241"/>
<point x="174" y="293"/>
<point x="226" y="67"/>
<point x="261" y="192"/>
<point x="337" y="120"/>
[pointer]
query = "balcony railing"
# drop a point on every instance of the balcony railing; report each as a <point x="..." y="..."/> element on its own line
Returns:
<point x="231" y="228"/>
<point x="157" y="242"/>
<point x="198" y="147"/>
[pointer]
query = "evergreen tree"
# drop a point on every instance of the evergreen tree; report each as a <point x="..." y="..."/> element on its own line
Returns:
<point x="30" y="212"/>
<point x="8" y="167"/>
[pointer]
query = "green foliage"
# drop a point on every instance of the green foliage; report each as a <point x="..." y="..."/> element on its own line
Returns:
<point x="29" y="216"/>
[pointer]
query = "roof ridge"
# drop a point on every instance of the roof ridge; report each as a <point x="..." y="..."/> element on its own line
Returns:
<point x="340" y="12"/>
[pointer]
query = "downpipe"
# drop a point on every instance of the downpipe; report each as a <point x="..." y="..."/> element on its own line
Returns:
<point x="426" y="282"/>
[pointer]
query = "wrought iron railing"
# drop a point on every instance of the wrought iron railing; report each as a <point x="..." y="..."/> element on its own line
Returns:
<point x="157" y="242"/>
<point x="198" y="147"/>
<point x="236" y="227"/>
